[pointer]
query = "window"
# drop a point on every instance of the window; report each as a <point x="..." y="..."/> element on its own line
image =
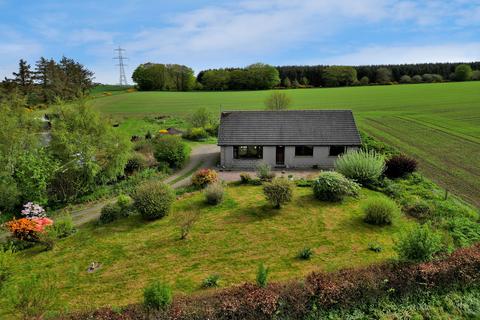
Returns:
<point x="304" y="151"/>
<point x="247" y="152"/>
<point x="336" y="151"/>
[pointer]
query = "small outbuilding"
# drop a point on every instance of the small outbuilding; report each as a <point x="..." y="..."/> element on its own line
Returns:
<point x="286" y="139"/>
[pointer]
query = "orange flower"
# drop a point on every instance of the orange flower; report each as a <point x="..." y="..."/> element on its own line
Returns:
<point x="23" y="229"/>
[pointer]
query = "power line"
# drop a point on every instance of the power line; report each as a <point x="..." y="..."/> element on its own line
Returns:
<point x="121" y="65"/>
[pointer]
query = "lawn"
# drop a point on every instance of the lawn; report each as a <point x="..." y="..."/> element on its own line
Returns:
<point x="437" y="123"/>
<point x="230" y="240"/>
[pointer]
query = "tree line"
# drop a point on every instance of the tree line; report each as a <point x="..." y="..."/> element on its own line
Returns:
<point x="154" y="76"/>
<point x="260" y="76"/>
<point x="332" y="76"/>
<point x="164" y="77"/>
<point x="48" y="81"/>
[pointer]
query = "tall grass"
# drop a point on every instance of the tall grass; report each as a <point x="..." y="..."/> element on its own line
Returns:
<point x="365" y="167"/>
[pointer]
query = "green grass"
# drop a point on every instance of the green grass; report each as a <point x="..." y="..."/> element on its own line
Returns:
<point x="437" y="123"/>
<point x="229" y="240"/>
<point x="100" y="90"/>
<point x="456" y="304"/>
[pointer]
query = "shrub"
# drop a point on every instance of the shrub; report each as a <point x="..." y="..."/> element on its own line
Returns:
<point x="245" y="178"/>
<point x="333" y="186"/>
<point x="463" y="72"/>
<point x="195" y="134"/>
<point x="203" y="177"/>
<point x="375" y="247"/>
<point x="463" y="231"/>
<point x="277" y="101"/>
<point x="364" y="80"/>
<point x="170" y="149"/>
<point x="405" y="79"/>
<point x="419" y="209"/>
<point x="305" y="254"/>
<point x="214" y="193"/>
<point x="153" y="199"/>
<point x="399" y="166"/>
<point x="211" y="281"/>
<point x="262" y="276"/>
<point x="379" y="211"/>
<point x="135" y="163"/>
<point x="303" y="183"/>
<point x="365" y="167"/>
<point x="437" y="78"/>
<point x="187" y="221"/>
<point x="264" y="172"/>
<point x="23" y="229"/>
<point x="201" y="118"/>
<point x="212" y="129"/>
<point x="157" y="296"/>
<point x="32" y="210"/>
<point x="279" y="191"/>
<point x="125" y="203"/>
<point x="63" y="226"/>
<point x="110" y="212"/>
<point x="256" y="182"/>
<point x="417" y="78"/>
<point x="419" y="244"/>
<point x="427" y="77"/>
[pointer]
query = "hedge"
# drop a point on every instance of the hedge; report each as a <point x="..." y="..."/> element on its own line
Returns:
<point x="293" y="300"/>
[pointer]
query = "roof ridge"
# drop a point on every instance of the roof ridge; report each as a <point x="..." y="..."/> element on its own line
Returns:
<point x="297" y="110"/>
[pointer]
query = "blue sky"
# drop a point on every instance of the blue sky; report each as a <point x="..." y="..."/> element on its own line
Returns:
<point x="208" y="34"/>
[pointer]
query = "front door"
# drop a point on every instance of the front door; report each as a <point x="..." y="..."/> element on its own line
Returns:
<point x="280" y="158"/>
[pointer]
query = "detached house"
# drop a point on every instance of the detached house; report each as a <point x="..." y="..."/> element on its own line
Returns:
<point x="286" y="139"/>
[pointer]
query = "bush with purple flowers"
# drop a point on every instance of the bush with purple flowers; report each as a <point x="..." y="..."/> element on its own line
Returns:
<point x="33" y="210"/>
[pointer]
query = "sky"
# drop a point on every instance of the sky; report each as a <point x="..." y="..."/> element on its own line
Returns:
<point x="215" y="34"/>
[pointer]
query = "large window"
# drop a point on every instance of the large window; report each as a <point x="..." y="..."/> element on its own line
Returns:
<point x="304" y="151"/>
<point x="247" y="152"/>
<point x="336" y="151"/>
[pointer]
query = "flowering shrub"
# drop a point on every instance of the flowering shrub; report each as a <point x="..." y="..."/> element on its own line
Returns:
<point x="28" y="229"/>
<point x="204" y="176"/>
<point x="23" y="229"/>
<point x="42" y="223"/>
<point x="32" y="210"/>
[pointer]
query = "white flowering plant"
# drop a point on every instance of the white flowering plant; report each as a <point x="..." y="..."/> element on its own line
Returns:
<point x="32" y="210"/>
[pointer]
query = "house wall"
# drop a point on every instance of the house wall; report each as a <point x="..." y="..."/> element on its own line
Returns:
<point x="320" y="158"/>
<point x="227" y="160"/>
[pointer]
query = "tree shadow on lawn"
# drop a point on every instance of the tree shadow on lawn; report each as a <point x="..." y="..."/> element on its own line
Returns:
<point x="253" y="213"/>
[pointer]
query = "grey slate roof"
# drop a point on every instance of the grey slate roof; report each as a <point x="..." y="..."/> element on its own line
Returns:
<point x="295" y="127"/>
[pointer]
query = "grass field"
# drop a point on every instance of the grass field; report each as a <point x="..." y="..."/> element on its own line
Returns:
<point x="437" y="123"/>
<point x="230" y="240"/>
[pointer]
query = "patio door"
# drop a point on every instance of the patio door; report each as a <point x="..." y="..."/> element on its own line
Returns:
<point x="280" y="156"/>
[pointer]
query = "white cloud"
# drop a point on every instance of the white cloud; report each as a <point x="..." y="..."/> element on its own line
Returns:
<point x="455" y="52"/>
<point x="250" y="30"/>
<point x="247" y="31"/>
<point x="87" y="36"/>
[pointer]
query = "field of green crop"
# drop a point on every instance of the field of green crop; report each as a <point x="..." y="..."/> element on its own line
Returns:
<point x="437" y="123"/>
